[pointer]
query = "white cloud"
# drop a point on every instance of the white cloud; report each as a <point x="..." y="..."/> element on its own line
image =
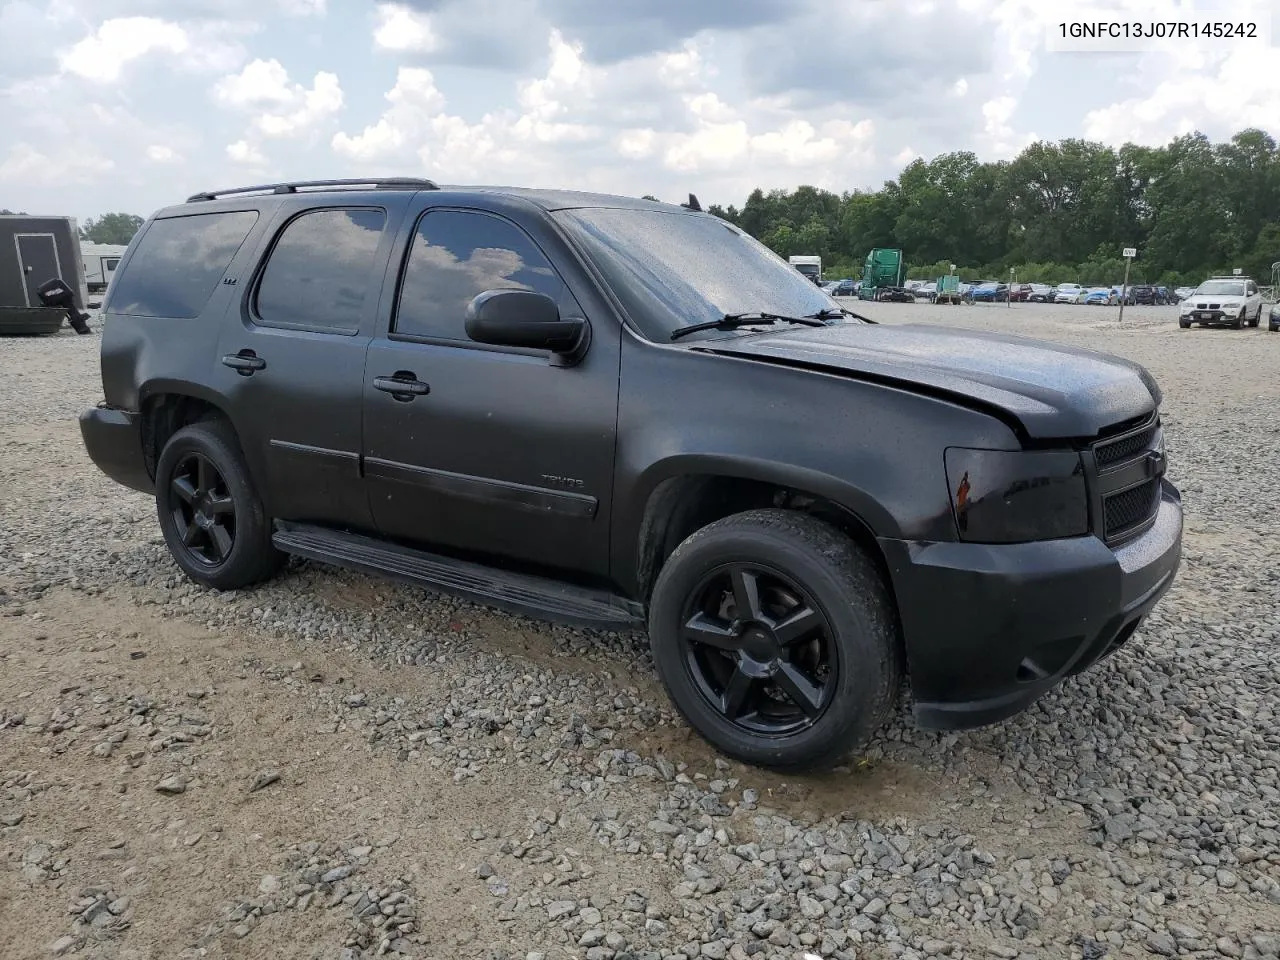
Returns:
<point x="204" y="46"/>
<point x="27" y="165"/>
<point x="1002" y="141"/>
<point x="260" y="82"/>
<point x="283" y="107"/>
<point x="403" y="30"/>
<point x="242" y="151"/>
<point x="103" y="54"/>
<point x="414" y="101"/>
<point x="159" y="153"/>
<point x="1230" y="93"/>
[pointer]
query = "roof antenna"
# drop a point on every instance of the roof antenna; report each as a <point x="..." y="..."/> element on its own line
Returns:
<point x="693" y="204"/>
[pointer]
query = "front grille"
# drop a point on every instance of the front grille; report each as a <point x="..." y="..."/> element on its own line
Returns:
<point x="1129" y="509"/>
<point x="1127" y="471"/>
<point x="1124" y="448"/>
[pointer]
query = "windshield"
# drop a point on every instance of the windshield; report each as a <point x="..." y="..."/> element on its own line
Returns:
<point x="1221" y="288"/>
<point x="672" y="269"/>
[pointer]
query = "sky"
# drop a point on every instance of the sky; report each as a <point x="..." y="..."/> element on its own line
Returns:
<point x="129" y="105"/>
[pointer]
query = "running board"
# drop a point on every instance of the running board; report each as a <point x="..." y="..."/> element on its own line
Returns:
<point x="538" y="597"/>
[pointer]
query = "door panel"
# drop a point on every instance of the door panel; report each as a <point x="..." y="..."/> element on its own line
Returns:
<point x="38" y="259"/>
<point x="508" y="454"/>
<point x="292" y="362"/>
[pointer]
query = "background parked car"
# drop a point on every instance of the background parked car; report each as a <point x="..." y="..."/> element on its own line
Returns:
<point x="1183" y="292"/>
<point x="1040" y="293"/>
<point x="1069" y="293"/>
<point x="1020" y="292"/>
<point x="990" y="292"/>
<point x="845" y="288"/>
<point x="927" y="291"/>
<point x="1100" y="296"/>
<point x="1273" y="322"/>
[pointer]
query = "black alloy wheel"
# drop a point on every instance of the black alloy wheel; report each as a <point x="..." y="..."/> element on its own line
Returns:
<point x="759" y="649"/>
<point x="214" y="523"/>
<point x="776" y="638"/>
<point x="203" y="510"/>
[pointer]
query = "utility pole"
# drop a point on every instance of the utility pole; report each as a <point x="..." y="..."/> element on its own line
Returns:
<point x="1129" y="254"/>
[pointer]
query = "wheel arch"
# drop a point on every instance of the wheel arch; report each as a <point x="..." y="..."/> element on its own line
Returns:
<point x="169" y="405"/>
<point x="687" y="493"/>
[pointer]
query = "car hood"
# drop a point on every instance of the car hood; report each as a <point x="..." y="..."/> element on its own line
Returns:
<point x="1053" y="391"/>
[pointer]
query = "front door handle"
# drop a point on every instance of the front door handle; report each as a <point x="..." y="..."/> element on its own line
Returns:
<point x="404" y="385"/>
<point x="245" y="363"/>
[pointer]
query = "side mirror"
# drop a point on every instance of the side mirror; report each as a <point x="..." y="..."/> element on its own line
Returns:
<point x="523" y="318"/>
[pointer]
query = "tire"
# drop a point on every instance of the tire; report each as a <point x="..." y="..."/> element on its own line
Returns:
<point x="850" y="660"/>
<point x="1238" y="322"/>
<point x="224" y="499"/>
<point x="1257" y="317"/>
<point x="1185" y="324"/>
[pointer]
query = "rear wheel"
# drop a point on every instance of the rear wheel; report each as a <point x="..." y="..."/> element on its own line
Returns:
<point x="1257" y="317"/>
<point x="210" y="514"/>
<point x="776" y="639"/>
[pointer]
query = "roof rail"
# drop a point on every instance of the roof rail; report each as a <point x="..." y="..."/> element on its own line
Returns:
<point x="385" y="183"/>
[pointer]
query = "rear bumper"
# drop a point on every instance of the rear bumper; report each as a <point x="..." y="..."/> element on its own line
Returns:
<point x="113" y="440"/>
<point x="990" y="629"/>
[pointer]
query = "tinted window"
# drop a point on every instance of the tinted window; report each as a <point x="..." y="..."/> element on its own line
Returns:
<point x="320" y="272"/>
<point x="456" y="255"/>
<point x="673" y="269"/>
<point x="178" y="264"/>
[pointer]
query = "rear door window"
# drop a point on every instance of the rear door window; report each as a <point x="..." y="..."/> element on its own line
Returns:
<point x="178" y="264"/>
<point x="320" y="274"/>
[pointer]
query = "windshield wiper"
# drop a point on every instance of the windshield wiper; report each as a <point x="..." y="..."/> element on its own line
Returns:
<point x="732" y="321"/>
<point x="828" y="314"/>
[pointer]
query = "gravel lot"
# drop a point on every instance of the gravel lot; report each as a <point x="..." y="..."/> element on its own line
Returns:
<point x="335" y="767"/>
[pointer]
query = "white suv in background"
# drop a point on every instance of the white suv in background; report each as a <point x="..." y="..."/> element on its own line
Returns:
<point x="1234" y="301"/>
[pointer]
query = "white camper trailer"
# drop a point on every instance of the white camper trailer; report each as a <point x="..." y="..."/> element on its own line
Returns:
<point x="100" y="262"/>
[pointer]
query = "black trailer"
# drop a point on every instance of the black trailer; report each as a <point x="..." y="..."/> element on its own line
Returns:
<point x="33" y="251"/>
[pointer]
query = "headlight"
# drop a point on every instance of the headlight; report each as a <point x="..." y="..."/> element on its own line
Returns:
<point x="1003" y="496"/>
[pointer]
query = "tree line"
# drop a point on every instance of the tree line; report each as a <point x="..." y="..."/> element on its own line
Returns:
<point x="1058" y="212"/>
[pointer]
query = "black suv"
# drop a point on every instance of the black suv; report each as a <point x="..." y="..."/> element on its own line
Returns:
<point x="623" y="414"/>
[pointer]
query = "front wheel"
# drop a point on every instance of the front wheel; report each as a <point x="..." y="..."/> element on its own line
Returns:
<point x="776" y="639"/>
<point x="210" y="514"/>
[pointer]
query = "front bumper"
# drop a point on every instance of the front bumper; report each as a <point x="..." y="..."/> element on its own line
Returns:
<point x="113" y="439"/>
<point x="1212" y="316"/>
<point x="990" y="629"/>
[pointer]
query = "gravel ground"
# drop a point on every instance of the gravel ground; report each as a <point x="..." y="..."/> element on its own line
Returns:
<point x="334" y="766"/>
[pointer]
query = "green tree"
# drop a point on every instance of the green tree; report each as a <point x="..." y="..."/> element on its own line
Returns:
<point x="1057" y="212"/>
<point x="117" y="228"/>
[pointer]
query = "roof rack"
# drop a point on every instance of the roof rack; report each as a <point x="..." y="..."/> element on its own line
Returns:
<point x="385" y="183"/>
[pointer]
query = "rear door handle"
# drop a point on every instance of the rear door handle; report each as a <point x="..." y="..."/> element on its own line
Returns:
<point x="404" y="385"/>
<point x="244" y="363"/>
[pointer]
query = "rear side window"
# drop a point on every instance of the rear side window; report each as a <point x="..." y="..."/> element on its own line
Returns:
<point x="320" y="274"/>
<point x="178" y="264"/>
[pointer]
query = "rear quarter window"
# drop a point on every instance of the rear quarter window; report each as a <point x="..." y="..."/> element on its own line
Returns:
<point x="178" y="264"/>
